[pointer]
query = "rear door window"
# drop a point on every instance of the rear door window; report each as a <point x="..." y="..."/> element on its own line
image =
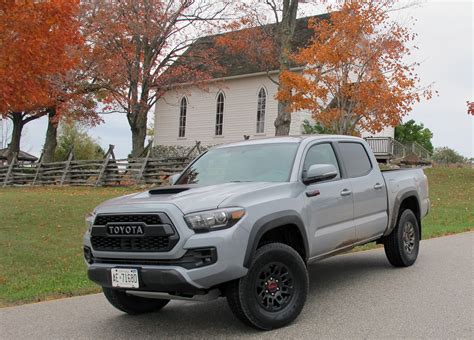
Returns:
<point x="355" y="159"/>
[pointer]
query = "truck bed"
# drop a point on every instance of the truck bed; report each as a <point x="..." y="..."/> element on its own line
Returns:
<point x="403" y="181"/>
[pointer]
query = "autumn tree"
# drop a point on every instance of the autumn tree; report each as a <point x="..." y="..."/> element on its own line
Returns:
<point x="470" y="108"/>
<point x="355" y="76"/>
<point x="136" y="41"/>
<point x="36" y="39"/>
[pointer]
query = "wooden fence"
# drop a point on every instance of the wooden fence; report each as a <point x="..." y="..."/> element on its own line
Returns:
<point x="105" y="172"/>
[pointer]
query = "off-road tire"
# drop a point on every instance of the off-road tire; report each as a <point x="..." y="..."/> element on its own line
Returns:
<point x="402" y="250"/>
<point x="281" y="268"/>
<point x="133" y="305"/>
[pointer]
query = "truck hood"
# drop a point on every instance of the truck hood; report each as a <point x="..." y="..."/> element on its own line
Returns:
<point x="188" y="198"/>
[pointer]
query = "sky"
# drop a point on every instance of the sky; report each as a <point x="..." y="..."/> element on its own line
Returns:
<point x="445" y="41"/>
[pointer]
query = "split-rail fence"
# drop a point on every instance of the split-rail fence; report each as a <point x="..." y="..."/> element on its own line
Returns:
<point x="146" y="170"/>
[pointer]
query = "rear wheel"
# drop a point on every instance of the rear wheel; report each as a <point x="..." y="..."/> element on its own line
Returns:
<point x="131" y="304"/>
<point x="274" y="291"/>
<point x="403" y="244"/>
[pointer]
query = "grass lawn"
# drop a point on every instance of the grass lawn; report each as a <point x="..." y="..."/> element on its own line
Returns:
<point x="41" y="232"/>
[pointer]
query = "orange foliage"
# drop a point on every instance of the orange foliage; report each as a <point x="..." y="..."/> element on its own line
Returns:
<point x="39" y="42"/>
<point x="356" y="77"/>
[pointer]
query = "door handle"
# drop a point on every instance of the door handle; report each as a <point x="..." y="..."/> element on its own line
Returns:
<point x="312" y="193"/>
<point x="346" y="192"/>
<point x="378" y="186"/>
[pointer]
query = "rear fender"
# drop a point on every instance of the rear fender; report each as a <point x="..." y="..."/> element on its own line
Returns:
<point x="396" y="209"/>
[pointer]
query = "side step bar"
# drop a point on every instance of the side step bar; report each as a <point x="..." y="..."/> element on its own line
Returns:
<point x="209" y="296"/>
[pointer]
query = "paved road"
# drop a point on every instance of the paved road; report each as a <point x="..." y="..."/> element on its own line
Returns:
<point x="351" y="296"/>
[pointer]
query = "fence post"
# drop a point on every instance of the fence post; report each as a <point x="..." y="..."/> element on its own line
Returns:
<point x="38" y="168"/>
<point x="142" y="169"/>
<point x="197" y="146"/>
<point x="68" y="165"/>
<point x="146" y="149"/>
<point x="104" y="165"/>
<point x="10" y="169"/>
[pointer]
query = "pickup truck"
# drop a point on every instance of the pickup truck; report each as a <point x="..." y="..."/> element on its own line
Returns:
<point x="244" y="220"/>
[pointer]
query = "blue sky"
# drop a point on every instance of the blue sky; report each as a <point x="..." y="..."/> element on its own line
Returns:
<point x="445" y="44"/>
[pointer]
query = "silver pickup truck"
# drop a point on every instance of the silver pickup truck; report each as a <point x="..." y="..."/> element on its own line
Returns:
<point x="244" y="221"/>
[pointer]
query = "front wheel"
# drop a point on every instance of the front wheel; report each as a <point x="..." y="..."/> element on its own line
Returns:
<point x="131" y="304"/>
<point x="274" y="291"/>
<point x="403" y="244"/>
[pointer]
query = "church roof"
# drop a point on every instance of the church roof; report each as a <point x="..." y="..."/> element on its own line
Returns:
<point x="22" y="156"/>
<point x="238" y="63"/>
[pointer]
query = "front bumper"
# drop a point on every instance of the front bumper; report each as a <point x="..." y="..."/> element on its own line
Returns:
<point x="163" y="271"/>
<point x="157" y="279"/>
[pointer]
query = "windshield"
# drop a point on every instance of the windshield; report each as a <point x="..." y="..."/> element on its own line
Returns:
<point x="247" y="163"/>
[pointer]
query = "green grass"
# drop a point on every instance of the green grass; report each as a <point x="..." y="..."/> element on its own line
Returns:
<point x="40" y="241"/>
<point x="41" y="232"/>
<point x="452" y="201"/>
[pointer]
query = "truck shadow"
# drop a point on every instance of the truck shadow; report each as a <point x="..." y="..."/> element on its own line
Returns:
<point x="329" y="281"/>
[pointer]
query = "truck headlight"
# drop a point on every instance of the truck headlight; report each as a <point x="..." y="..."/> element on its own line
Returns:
<point x="90" y="220"/>
<point x="214" y="219"/>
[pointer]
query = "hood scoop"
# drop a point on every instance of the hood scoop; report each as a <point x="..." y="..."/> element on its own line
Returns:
<point x="170" y="190"/>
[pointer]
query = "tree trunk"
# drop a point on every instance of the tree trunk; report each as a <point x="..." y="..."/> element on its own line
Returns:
<point x="138" y="128"/>
<point x="283" y="119"/>
<point x="14" y="146"/>
<point x="51" y="140"/>
<point x="286" y="32"/>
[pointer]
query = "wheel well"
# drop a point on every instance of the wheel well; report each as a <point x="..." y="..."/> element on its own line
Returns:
<point x="288" y="234"/>
<point x="411" y="203"/>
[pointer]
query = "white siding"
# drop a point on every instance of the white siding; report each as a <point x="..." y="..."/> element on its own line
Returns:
<point x="240" y="113"/>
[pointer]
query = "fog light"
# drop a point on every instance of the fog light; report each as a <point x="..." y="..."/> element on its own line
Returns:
<point x="198" y="257"/>
<point x="88" y="255"/>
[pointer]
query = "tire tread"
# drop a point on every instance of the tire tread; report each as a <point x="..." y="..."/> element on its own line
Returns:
<point x="393" y="243"/>
<point x="237" y="289"/>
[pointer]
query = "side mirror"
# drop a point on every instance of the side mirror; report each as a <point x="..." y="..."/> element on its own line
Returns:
<point x="173" y="178"/>
<point x="319" y="172"/>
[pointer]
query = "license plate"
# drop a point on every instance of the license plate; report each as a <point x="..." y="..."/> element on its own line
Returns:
<point x="124" y="278"/>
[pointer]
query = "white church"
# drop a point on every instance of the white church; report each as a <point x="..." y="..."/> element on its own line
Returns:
<point x="237" y="103"/>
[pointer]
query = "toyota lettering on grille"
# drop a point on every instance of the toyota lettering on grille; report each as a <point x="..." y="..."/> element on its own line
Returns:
<point x="128" y="229"/>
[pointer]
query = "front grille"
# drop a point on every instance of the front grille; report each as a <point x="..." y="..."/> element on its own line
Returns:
<point x="139" y="244"/>
<point x="159" y="233"/>
<point x="150" y="219"/>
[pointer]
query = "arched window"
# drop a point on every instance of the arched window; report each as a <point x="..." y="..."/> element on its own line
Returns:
<point x="219" y="114"/>
<point x="183" y="108"/>
<point x="261" y="106"/>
